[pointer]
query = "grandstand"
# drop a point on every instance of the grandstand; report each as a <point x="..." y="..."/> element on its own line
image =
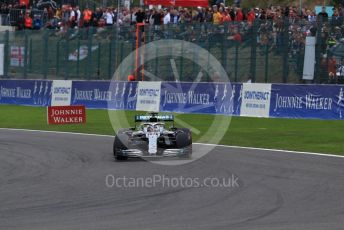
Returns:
<point x="263" y="45"/>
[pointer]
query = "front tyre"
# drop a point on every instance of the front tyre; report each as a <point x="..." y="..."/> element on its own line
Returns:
<point x="120" y="143"/>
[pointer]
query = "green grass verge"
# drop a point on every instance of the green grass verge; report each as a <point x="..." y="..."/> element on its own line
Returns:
<point x="290" y="134"/>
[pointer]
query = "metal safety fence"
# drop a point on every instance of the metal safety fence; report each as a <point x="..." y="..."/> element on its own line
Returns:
<point x="265" y="51"/>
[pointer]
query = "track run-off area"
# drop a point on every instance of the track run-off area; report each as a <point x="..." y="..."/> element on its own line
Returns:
<point x="51" y="180"/>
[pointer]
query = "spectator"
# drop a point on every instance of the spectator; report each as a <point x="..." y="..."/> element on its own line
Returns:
<point x="58" y="13"/>
<point x="236" y="36"/>
<point x="331" y="67"/>
<point x="200" y="16"/>
<point x="37" y="22"/>
<point x="174" y="16"/>
<point x="311" y="16"/>
<point x="78" y="15"/>
<point x="140" y="16"/>
<point x="98" y="14"/>
<point x="73" y="17"/>
<point x="127" y="17"/>
<point x="238" y="15"/>
<point x="217" y="17"/>
<point x="157" y="16"/>
<point x="251" y="17"/>
<point x="208" y="15"/>
<point x="323" y="16"/>
<point x="226" y="17"/>
<point x="28" y="24"/>
<point x="149" y="20"/>
<point x="336" y="19"/>
<point x="108" y="16"/>
<point x="167" y="21"/>
<point x="5" y="13"/>
<point x="87" y="16"/>
<point x="50" y="13"/>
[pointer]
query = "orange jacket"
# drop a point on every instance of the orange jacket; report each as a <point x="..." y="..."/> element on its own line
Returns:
<point x="87" y="15"/>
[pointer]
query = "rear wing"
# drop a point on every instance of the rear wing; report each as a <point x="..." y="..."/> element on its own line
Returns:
<point x="154" y="118"/>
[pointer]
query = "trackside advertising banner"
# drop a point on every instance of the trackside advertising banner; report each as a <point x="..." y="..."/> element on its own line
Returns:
<point x="105" y="94"/>
<point x="210" y="98"/>
<point x="61" y="93"/>
<point x="25" y="92"/>
<point x="148" y="98"/>
<point x="255" y="100"/>
<point x="307" y="101"/>
<point x="58" y="115"/>
<point x="248" y="99"/>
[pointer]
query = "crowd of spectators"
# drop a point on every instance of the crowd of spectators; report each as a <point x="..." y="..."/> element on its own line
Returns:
<point x="233" y="22"/>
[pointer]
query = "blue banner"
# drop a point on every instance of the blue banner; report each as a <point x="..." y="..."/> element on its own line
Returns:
<point x="104" y="94"/>
<point x="93" y="94"/>
<point x="25" y="92"/>
<point x="307" y="101"/>
<point x="124" y="95"/>
<point x="208" y="98"/>
<point x="236" y="98"/>
<point x="286" y="101"/>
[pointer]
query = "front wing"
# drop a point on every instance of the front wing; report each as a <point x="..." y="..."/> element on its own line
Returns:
<point x="137" y="153"/>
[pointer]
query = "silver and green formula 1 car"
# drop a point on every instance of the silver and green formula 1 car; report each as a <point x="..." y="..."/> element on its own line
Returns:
<point x="151" y="138"/>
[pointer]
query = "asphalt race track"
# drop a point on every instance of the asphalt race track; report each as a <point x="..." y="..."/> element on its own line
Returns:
<point x="58" y="181"/>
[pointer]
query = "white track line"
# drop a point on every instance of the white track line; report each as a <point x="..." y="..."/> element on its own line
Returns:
<point x="57" y="132"/>
<point x="272" y="150"/>
<point x="215" y="145"/>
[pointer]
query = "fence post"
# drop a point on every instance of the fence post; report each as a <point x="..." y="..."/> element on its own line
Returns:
<point x="45" y="54"/>
<point x="195" y="60"/>
<point x="114" y="51"/>
<point x="66" y="66"/>
<point x="114" y="64"/>
<point x="57" y="58"/>
<point x="285" y="49"/>
<point x="89" y="53"/>
<point x="208" y="62"/>
<point x="253" y="62"/>
<point x="181" y="62"/>
<point x="133" y="49"/>
<point x="110" y="59"/>
<point x="236" y="61"/>
<point x="266" y="63"/>
<point x="98" y="64"/>
<point x="112" y="55"/>
<point x="224" y="53"/>
<point x="121" y="59"/>
<point x="318" y="45"/>
<point x="26" y="46"/>
<point x="156" y="61"/>
<point x="78" y="59"/>
<point x="6" y="53"/>
<point x="30" y="58"/>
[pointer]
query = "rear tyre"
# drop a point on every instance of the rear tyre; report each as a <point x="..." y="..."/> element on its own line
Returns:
<point x="183" y="138"/>
<point x="184" y="141"/>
